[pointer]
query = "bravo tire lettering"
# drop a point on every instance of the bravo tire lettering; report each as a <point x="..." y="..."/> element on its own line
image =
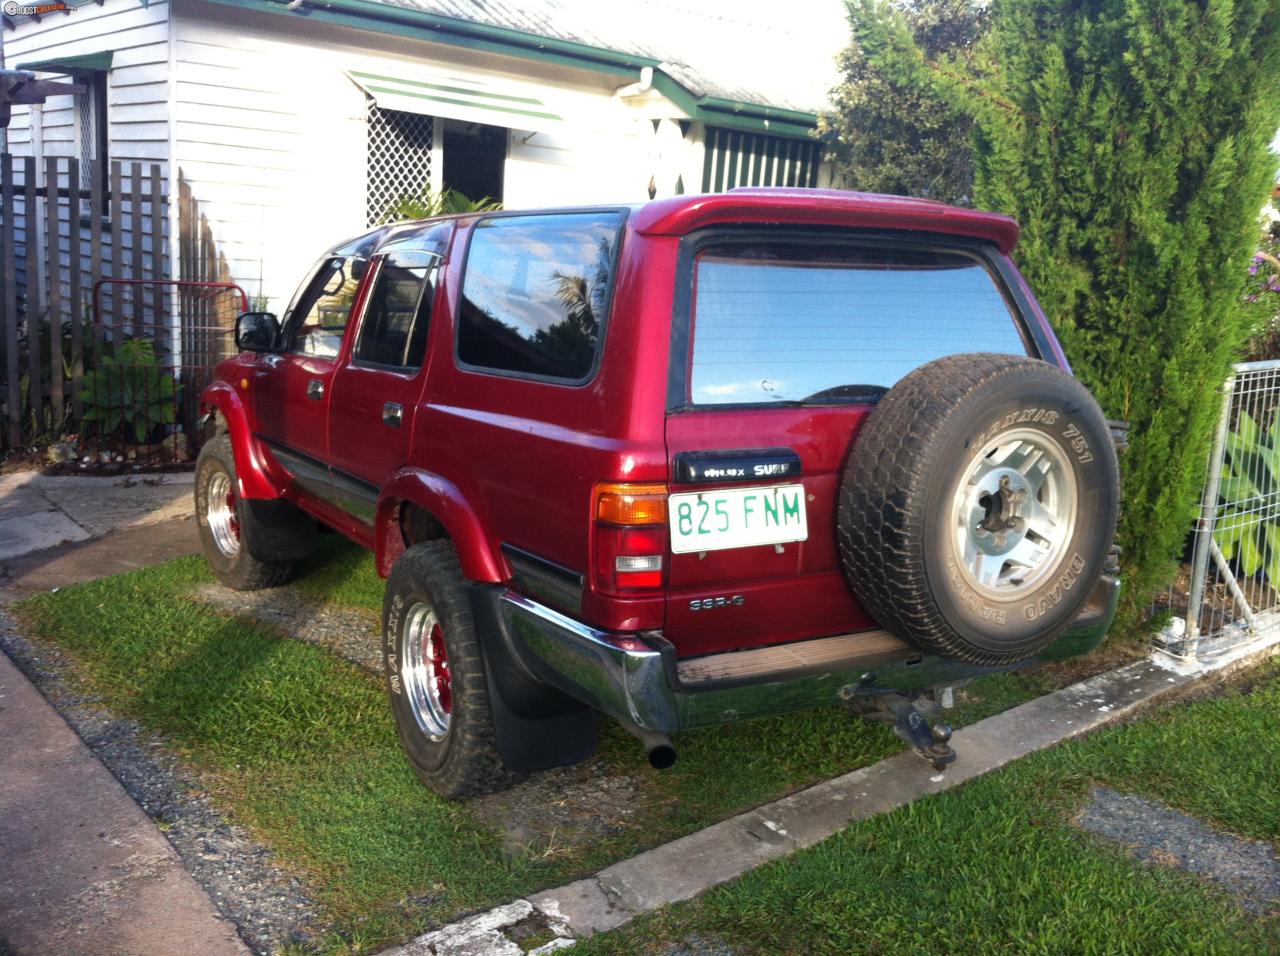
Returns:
<point x="1053" y="597"/>
<point x="993" y="614"/>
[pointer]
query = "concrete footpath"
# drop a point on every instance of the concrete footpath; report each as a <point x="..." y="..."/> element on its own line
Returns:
<point x="82" y="869"/>
<point x="85" y="871"/>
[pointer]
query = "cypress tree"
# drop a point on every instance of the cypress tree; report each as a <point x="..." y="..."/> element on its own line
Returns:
<point x="1130" y="140"/>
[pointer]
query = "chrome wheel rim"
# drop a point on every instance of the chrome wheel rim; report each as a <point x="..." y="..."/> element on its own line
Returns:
<point x="220" y="510"/>
<point x="1013" y="513"/>
<point x="424" y="669"/>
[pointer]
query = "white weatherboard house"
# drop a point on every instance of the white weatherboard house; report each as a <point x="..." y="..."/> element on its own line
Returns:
<point x="296" y="124"/>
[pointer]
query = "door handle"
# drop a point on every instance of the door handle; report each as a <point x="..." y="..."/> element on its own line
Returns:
<point x="392" y="414"/>
<point x="315" y="389"/>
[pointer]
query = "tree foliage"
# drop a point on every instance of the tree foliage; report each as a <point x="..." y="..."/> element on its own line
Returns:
<point x="891" y="136"/>
<point x="1130" y="140"/>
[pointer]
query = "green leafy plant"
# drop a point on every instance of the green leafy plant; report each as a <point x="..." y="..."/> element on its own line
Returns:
<point x="130" y="392"/>
<point x="1248" y="524"/>
<point x="427" y="202"/>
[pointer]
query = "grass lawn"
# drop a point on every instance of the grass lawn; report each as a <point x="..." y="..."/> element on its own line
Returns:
<point x="996" y="866"/>
<point x="298" y="745"/>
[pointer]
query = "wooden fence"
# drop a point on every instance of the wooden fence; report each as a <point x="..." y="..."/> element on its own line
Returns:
<point x="62" y="229"/>
<point x="84" y="267"/>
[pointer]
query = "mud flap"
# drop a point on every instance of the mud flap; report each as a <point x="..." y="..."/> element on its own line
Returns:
<point x="276" y="530"/>
<point x="537" y="726"/>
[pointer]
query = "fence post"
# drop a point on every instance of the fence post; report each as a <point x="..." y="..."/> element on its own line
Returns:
<point x="34" y="301"/>
<point x="1208" y="518"/>
<point x="53" y="275"/>
<point x="9" y="295"/>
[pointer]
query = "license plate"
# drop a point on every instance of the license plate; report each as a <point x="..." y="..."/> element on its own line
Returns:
<point x="737" y="518"/>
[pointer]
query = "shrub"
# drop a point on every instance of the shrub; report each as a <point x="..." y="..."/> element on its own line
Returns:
<point x="129" y="393"/>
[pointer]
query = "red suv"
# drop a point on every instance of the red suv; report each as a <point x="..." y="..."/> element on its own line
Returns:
<point x="681" y="463"/>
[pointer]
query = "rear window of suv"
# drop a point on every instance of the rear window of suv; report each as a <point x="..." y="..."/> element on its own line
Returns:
<point x="792" y="324"/>
<point x="536" y="292"/>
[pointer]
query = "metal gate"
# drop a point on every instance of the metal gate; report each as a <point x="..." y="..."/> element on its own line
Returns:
<point x="1230" y="593"/>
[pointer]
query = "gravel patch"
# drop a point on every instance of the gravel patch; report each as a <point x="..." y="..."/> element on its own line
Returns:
<point x="351" y="633"/>
<point x="559" y="810"/>
<point x="270" y="907"/>
<point x="1155" y="833"/>
<point x="695" y="944"/>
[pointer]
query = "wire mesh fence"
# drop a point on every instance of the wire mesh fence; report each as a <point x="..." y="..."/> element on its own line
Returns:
<point x="1230" y="589"/>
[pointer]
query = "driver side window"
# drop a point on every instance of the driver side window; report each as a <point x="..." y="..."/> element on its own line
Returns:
<point x="318" y="321"/>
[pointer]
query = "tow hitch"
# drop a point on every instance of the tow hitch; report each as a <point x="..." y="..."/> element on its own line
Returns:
<point x="907" y="714"/>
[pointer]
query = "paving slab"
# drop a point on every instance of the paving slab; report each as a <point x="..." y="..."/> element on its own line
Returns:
<point x="101" y="505"/>
<point x="22" y="500"/>
<point x="22" y="534"/>
<point x="85" y="870"/>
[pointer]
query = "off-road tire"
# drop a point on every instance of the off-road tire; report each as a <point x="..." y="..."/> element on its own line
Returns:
<point x="465" y="762"/>
<point x="240" y="570"/>
<point x="901" y="498"/>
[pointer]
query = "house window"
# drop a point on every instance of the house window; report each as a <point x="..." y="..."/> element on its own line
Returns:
<point x="91" y="134"/>
<point x="399" y="160"/>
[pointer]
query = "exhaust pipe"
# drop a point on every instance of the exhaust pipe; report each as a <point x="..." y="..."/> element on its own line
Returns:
<point x="657" y="746"/>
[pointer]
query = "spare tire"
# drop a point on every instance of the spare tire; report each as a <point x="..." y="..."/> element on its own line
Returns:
<point x="977" y="506"/>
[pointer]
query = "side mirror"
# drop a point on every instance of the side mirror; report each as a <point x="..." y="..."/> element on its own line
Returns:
<point x="257" y="331"/>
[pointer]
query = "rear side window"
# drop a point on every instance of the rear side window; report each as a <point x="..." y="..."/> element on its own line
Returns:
<point x="536" y="292"/>
<point x="787" y="325"/>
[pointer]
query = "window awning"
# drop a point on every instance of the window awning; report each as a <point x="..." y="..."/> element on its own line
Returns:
<point x="470" y="100"/>
<point x="71" y="64"/>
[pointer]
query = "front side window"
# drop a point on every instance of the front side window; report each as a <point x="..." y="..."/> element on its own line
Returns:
<point x="319" y="320"/>
<point x="795" y="324"/>
<point x="536" y="292"/>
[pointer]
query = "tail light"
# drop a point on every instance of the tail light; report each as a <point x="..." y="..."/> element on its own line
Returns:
<point x="630" y="529"/>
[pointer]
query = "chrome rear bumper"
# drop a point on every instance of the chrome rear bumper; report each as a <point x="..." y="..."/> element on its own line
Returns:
<point x="636" y="678"/>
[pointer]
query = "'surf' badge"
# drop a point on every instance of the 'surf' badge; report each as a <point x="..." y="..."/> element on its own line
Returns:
<point x="744" y="464"/>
